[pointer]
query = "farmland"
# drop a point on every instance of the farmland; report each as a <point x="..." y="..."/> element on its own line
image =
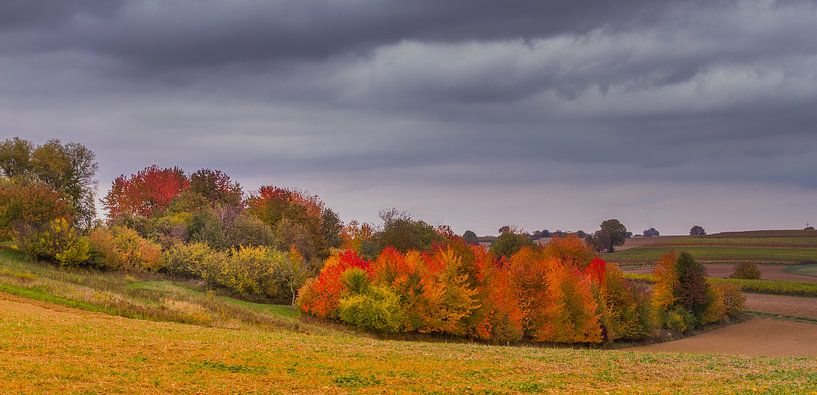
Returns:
<point x="777" y="247"/>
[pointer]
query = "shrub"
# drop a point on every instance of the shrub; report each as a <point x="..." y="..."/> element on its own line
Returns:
<point x="123" y="249"/>
<point x="77" y="253"/>
<point x="187" y="259"/>
<point x="57" y="240"/>
<point x="376" y="307"/>
<point x="746" y="270"/>
<point x="727" y="301"/>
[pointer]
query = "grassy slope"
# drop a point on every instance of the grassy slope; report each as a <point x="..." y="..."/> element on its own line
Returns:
<point x="151" y="297"/>
<point x="47" y="347"/>
<point x="74" y="351"/>
<point x="761" y="250"/>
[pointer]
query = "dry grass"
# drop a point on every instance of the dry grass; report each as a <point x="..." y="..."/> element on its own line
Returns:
<point x="66" y="350"/>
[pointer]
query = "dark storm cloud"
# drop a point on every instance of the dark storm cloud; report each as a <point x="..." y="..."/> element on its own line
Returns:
<point x="392" y="97"/>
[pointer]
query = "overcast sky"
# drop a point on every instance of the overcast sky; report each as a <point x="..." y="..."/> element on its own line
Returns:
<point x="477" y="114"/>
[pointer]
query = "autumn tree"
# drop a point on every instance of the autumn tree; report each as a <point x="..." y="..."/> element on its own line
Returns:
<point x="216" y="187"/>
<point x="403" y="233"/>
<point x="273" y="205"/>
<point x="145" y="193"/>
<point x="67" y="168"/>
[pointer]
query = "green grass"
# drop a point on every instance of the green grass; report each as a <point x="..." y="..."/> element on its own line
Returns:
<point x="803" y="270"/>
<point x="650" y="254"/>
<point x="741" y="241"/>
<point x="773" y="287"/>
<point x="151" y="297"/>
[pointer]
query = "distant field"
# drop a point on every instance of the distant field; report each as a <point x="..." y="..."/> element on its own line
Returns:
<point x="651" y="254"/>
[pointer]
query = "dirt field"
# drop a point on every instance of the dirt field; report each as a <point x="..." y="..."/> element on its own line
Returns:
<point x="785" y="305"/>
<point x="756" y="337"/>
<point x="767" y="272"/>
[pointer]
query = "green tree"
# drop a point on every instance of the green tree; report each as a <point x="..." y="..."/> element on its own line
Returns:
<point x="697" y="230"/>
<point x="67" y="168"/>
<point x="470" y="237"/>
<point x="509" y="243"/>
<point x="612" y="234"/>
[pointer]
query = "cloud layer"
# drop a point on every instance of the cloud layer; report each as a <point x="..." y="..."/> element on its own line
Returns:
<point x="472" y="113"/>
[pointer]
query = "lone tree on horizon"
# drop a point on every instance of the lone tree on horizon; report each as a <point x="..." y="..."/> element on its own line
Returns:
<point x="697" y="230"/>
<point x="612" y="234"/>
<point x="651" y="232"/>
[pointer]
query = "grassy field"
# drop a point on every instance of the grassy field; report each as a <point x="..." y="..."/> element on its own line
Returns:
<point x="47" y="348"/>
<point x="651" y="254"/>
<point x="151" y="297"/>
<point x="67" y="331"/>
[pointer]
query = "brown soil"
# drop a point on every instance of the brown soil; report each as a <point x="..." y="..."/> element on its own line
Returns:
<point x="785" y="305"/>
<point x="756" y="337"/>
<point x="767" y="272"/>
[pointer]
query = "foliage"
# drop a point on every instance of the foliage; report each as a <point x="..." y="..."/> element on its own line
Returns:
<point x="612" y="234"/>
<point x="27" y="209"/>
<point x="403" y="233"/>
<point x="746" y="270"/>
<point x="354" y="234"/>
<point x="697" y="230"/>
<point x="372" y="307"/>
<point x="682" y="297"/>
<point x="274" y="206"/>
<point x="121" y="248"/>
<point x="508" y="243"/>
<point x="470" y="237"/>
<point x="321" y="296"/>
<point x="772" y="287"/>
<point x="59" y="242"/>
<point x="68" y="169"/>
<point x="145" y="193"/>
<point x="627" y="307"/>
<point x="651" y="232"/>
<point x="571" y="250"/>
<point x="446" y="298"/>
<point x="216" y="187"/>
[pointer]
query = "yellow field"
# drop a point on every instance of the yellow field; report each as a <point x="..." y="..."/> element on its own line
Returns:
<point x="48" y="348"/>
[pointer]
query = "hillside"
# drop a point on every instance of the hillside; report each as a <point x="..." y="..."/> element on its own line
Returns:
<point x="238" y="346"/>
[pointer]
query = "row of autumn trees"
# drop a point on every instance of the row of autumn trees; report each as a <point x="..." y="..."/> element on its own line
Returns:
<point x="559" y="293"/>
<point x="275" y="244"/>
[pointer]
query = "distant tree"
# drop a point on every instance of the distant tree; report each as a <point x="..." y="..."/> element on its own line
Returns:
<point x="401" y="232"/>
<point x="651" y="232"/>
<point x="808" y="228"/>
<point x="509" y="243"/>
<point x="612" y="234"/>
<point x="581" y="234"/>
<point x="697" y="230"/>
<point x="558" y="234"/>
<point x="470" y="237"/>
<point x="504" y="229"/>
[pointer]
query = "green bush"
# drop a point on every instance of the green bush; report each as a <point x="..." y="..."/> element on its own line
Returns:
<point x="121" y="248"/>
<point x="59" y="242"/>
<point x="377" y="308"/>
<point x="746" y="270"/>
<point x="187" y="259"/>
